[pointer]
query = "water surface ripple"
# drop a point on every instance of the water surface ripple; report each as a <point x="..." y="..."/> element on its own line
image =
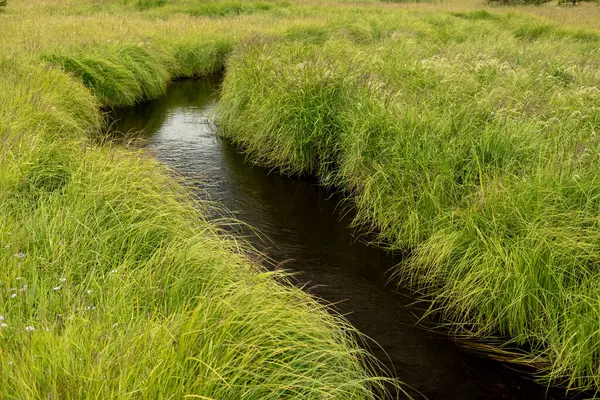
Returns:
<point x="302" y="224"/>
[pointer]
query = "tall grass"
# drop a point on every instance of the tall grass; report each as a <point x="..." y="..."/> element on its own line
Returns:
<point x="113" y="283"/>
<point x="146" y="4"/>
<point x="113" y="286"/>
<point x="466" y="138"/>
<point x="468" y="143"/>
<point x="207" y="8"/>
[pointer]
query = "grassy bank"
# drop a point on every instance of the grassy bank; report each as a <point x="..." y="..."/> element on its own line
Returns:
<point x="113" y="284"/>
<point x="468" y="141"/>
<point x="464" y="137"/>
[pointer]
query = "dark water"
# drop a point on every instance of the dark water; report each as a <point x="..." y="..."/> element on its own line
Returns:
<point x="304" y="225"/>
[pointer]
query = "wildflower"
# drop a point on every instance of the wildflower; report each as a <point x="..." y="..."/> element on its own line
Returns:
<point x="20" y="255"/>
<point x="10" y="363"/>
<point x="13" y="296"/>
<point x="57" y="288"/>
<point x="90" y="291"/>
<point x="18" y="278"/>
<point x="63" y="280"/>
<point x="13" y="289"/>
<point x="29" y="329"/>
<point x="90" y="308"/>
<point x="112" y="271"/>
<point x="2" y="318"/>
<point x="3" y="325"/>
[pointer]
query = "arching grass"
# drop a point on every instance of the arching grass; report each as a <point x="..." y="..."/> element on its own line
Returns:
<point x="467" y="139"/>
<point x="470" y="146"/>
<point x="113" y="283"/>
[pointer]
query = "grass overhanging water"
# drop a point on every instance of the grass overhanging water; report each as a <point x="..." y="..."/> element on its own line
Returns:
<point x="466" y="141"/>
<point x="113" y="283"/>
<point x="466" y="138"/>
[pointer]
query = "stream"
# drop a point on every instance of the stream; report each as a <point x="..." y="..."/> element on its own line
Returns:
<point x="299" y="223"/>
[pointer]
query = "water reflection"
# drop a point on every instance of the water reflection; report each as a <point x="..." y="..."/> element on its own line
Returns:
<point x="304" y="226"/>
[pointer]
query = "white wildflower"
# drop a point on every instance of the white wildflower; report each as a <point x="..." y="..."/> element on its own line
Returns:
<point x="90" y="291"/>
<point x="29" y="329"/>
<point x="13" y="296"/>
<point x="57" y="288"/>
<point x="2" y="318"/>
<point x="3" y="325"/>
<point x="90" y="308"/>
<point x="62" y="280"/>
<point x="20" y="255"/>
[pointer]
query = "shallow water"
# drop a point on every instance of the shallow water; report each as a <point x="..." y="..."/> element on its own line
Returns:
<point x="301" y="224"/>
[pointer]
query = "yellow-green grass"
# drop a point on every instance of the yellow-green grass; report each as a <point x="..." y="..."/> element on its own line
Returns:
<point x="113" y="284"/>
<point x="466" y="140"/>
<point x="176" y="309"/>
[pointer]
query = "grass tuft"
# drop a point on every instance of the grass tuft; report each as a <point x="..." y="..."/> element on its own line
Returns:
<point x="491" y="188"/>
<point x="118" y="76"/>
<point x="147" y="4"/>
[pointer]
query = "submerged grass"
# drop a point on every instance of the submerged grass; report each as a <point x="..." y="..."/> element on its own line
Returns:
<point x="470" y="145"/>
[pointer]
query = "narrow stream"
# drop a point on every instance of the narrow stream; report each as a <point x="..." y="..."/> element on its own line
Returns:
<point x="302" y="223"/>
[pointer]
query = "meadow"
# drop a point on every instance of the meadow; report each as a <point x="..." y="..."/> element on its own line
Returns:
<point x="467" y="141"/>
<point x="463" y="134"/>
<point x="113" y="283"/>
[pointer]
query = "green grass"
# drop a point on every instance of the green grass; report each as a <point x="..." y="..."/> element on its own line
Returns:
<point x="146" y="4"/>
<point x="465" y="135"/>
<point x="113" y="283"/>
<point x="134" y="294"/>
<point x="467" y="141"/>
<point x="208" y="8"/>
